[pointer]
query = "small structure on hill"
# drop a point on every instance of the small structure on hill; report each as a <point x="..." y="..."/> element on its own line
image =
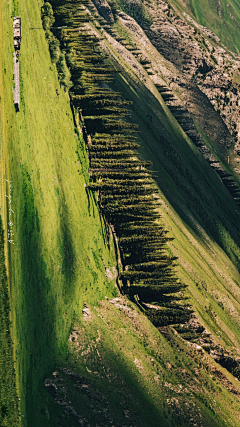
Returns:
<point x="17" y="32"/>
<point x="17" y="36"/>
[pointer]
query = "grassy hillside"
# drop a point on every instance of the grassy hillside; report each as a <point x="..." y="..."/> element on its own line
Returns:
<point x="9" y="408"/>
<point x="59" y="255"/>
<point x="59" y="259"/>
<point x="199" y="215"/>
<point x="221" y="17"/>
<point x="130" y="374"/>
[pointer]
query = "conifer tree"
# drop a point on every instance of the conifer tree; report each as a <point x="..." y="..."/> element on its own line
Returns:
<point x="126" y="189"/>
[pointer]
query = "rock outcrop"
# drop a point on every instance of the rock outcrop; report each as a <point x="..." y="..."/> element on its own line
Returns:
<point x="202" y="59"/>
<point x="185" y="62"/>
<point x="104" y="10"/>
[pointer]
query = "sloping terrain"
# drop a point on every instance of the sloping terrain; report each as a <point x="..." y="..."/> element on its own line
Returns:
<point x="222" y="17"/>
<point x="111" y="366"/>
<point x="186" y="178"/>
<point x="58" y="247"/>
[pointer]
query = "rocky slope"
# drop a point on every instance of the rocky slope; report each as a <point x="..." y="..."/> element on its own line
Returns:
<point x="192" y="63"/>
<point x="201" y="58"/>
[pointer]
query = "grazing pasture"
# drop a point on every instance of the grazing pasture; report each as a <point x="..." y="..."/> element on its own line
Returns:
<point x="58" y="258"/>
<point x="59" y="254"/>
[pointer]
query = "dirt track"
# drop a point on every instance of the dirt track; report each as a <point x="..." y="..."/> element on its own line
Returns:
<point x="16" y="96"/>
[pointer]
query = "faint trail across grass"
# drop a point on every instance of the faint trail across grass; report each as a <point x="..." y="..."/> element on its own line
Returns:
<point x="59" y="257"/>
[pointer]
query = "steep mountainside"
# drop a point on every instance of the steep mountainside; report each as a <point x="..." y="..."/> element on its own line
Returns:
<point x="220" y="16"/>
<point x="85" y="354"/>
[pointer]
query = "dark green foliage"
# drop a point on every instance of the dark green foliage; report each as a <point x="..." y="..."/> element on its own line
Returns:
<point x="119" y="175"/>
<point x="138" y="208"/>
<point x="139" y="275"/>
<point x="109" y="124"/>
<point x="63" y="72"/>
<point x="106" y="138"/>
<point x="47" y="16"/>
<point x="9" y="411"/>
<point x="143" y="238"/>
<point x="112" y="146"/>
<point x="57" y="56"/>
<point x="156" y="281"/>
<point x="120" y="189"/>
<point x="54" y="49"/>
<point x="104" y="111"/>
<point x="112" y="154"/>
<point x="46" y="23"/>
<point x="137" y="10"/>
<point x="127" y="193"/>
<point x="29" y="210"/>
<point x="148" y="229"/>
<point x="108" y="198"/>
<point x="115" y="164"/>
<point x="84" y="99"/>
<point x="168" y="316"/>
<point x="133" y="205"/>
<point x="150" y="293"/>
<point x="153" y="265"/>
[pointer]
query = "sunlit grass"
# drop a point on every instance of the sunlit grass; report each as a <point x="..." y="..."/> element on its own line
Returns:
<point x="223" y="22"/>
<point x="59" y="255"/>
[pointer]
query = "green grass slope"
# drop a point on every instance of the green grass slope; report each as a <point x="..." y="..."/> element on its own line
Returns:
<point x="59" y="258"/>
<point x="131" y="375"/>
<point x="59" y="254"/>
<point x="221" y="17"/>
<point x="9" y="409"/>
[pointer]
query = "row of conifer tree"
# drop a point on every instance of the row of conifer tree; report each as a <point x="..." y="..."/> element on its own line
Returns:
<point x="127" y="193"/>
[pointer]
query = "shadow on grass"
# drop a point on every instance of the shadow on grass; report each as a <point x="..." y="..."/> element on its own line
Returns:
<point x="117" y="399"/>
<point x="113" y="392"/>
<point x="69" y="256"/>
<point x="37" y="327"/>
<point x="185" y="178"/>
<point x="105" y="231"/>
<point x="38" y="321"/>
<point x="88" y="194"/>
